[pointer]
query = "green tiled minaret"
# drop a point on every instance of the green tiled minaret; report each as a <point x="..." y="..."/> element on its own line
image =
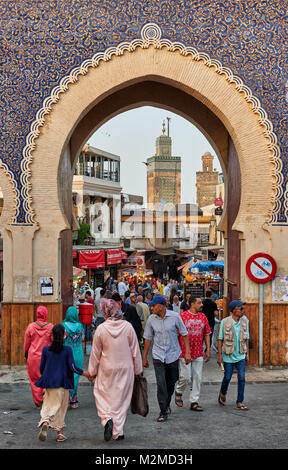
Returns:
<point x="164" y="173"/>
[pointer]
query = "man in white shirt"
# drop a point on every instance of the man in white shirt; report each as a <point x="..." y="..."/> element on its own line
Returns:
<point x="122" y="288"/>
<point x="166" y="290"/>
<point x="97" y="293"/>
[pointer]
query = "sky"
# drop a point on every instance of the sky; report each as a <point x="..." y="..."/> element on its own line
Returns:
<point x="132" y="135"/>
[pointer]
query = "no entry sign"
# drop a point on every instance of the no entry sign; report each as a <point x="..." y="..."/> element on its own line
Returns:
<point x="261" y="268"/>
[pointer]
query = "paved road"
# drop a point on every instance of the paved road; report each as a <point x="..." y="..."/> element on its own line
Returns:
<point x="264" y="426"/>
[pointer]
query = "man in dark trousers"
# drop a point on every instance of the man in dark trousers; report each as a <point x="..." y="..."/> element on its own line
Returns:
<point x="210" y="309"/>
<point x="162" y="328"/>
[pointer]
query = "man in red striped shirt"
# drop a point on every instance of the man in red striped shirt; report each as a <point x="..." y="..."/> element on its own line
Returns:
<point x="198" y="332"/>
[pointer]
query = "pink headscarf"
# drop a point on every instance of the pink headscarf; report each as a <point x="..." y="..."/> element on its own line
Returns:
<point x="41" y="314"/>
<point x="110" y="309"/>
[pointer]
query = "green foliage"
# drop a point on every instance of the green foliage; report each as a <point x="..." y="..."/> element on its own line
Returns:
<point x="83" y="233"/>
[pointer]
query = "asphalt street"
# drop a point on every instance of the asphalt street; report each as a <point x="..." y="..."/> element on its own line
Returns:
<point x="263" y="426"/>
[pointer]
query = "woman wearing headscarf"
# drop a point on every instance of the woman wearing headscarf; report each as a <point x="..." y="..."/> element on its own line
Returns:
<point x="38" y="334"/>
<point x="115" y="360"/>
<point x="74" y="332"/>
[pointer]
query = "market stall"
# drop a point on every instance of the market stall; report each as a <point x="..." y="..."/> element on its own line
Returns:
<point x="133" y="269"/>
<point x="202" y="276"/>
<point x="136" y="275"/>
<point x="79" y="276"/>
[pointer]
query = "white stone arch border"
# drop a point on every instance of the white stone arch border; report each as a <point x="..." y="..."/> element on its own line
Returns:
<point x="151" y="35"/>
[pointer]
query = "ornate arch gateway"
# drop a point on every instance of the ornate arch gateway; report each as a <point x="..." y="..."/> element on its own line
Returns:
<point x="68" y="68"/>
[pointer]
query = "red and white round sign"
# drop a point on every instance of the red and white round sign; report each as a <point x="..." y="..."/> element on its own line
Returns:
<point x="261" y="268"/>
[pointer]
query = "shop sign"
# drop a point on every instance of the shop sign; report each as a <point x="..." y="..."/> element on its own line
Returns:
<point x="74" y="254"/>
<point x="218" y="211"/>
<point x="92" y="259"/>
<point x="218" y="202"/>
<point x="136" y="260"/>
<point x="114" y="256"/>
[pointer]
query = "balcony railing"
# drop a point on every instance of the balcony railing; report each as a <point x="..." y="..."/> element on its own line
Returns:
<point x="98" y="167"/>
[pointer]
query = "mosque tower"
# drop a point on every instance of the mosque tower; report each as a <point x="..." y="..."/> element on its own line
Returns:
<point x="164" y="172"/>
<point x="206" y="181"/>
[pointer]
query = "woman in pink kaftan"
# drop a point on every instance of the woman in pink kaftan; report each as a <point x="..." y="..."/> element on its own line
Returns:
<point x="115" y="360"/>
<point x="37" y="335"/>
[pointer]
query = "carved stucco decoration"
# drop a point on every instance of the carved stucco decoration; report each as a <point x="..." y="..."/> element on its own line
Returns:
<point x="151" y="35"/>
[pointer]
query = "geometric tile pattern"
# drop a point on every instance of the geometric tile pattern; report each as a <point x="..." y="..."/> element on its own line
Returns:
<point x="45" y="41"/>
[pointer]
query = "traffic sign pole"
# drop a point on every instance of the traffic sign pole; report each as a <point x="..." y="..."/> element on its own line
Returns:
<point x="261" y="302"/>
<point x="261" y="268"/>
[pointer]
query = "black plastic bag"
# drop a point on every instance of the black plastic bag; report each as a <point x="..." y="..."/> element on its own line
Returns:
<point x="139" y="400"/>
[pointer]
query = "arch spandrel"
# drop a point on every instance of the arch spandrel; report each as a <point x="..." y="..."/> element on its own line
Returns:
<point x="215" y="89"/>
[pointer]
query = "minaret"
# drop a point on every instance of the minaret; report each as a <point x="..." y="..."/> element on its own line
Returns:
<point x="164" y="172"/>
<point x="206" y="181"/>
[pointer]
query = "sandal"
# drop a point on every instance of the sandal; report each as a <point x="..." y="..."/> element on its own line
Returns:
<point x="161" y="418"/>
<point x="74" y="405"/>
<point x="178" y="399"/>
<point x="195" y="407"/>
<point x="241" y="407"/>
<point x="61" y="437"/>
<point x="169" y="410"/>
<point x="221" y="399"/>
<point x="43" y="432"/>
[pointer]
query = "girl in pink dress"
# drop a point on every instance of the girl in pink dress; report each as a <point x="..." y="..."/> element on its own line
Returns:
<point x="115" y="360"/>
<point x="37" y="335"/>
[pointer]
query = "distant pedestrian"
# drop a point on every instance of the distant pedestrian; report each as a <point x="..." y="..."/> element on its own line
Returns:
<point x="166" y="289"/>
<point x="185" y="303"/>
<point x="148" y="298"/>
<point x="132" y="316"/>
<point x="37" y="335"/>
<point x="162" y="328"/>
<point x="126" y="301"/>
<point x="233" y="351"/>
<point x="98" y="303"/>
<point x="57" y="377"/>
<point x="74" y="333"/>
<point x="122" y="288"/>
<point x="115" y="360"/>
<point x="176" y="304"/>
<point x="117" y="298"/>
<point x="215" y="296"/>
<point x="88" y="297"/>
<point x="199" y="332"/>
<point x="145" y="310"/>
<point x="210" y="309"/>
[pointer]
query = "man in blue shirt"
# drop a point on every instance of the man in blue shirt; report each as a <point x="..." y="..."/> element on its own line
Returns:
<point x="162" y="327"/>
<point x="233" y="350"/>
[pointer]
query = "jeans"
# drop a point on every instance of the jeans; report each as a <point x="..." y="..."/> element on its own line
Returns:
<point x="166" y="378"/>
<point x="228" y="372"/>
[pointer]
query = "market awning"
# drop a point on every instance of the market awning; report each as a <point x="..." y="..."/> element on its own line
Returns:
<point x="92" y="259"/>
<point x="208" y="265"/>
<point x="183" y="266"/>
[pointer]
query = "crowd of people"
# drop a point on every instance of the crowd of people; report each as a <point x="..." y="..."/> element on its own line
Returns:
<point x="128" y="319"/>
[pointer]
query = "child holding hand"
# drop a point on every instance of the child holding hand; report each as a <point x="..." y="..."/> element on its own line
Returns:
<point x="57" y="378"/>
